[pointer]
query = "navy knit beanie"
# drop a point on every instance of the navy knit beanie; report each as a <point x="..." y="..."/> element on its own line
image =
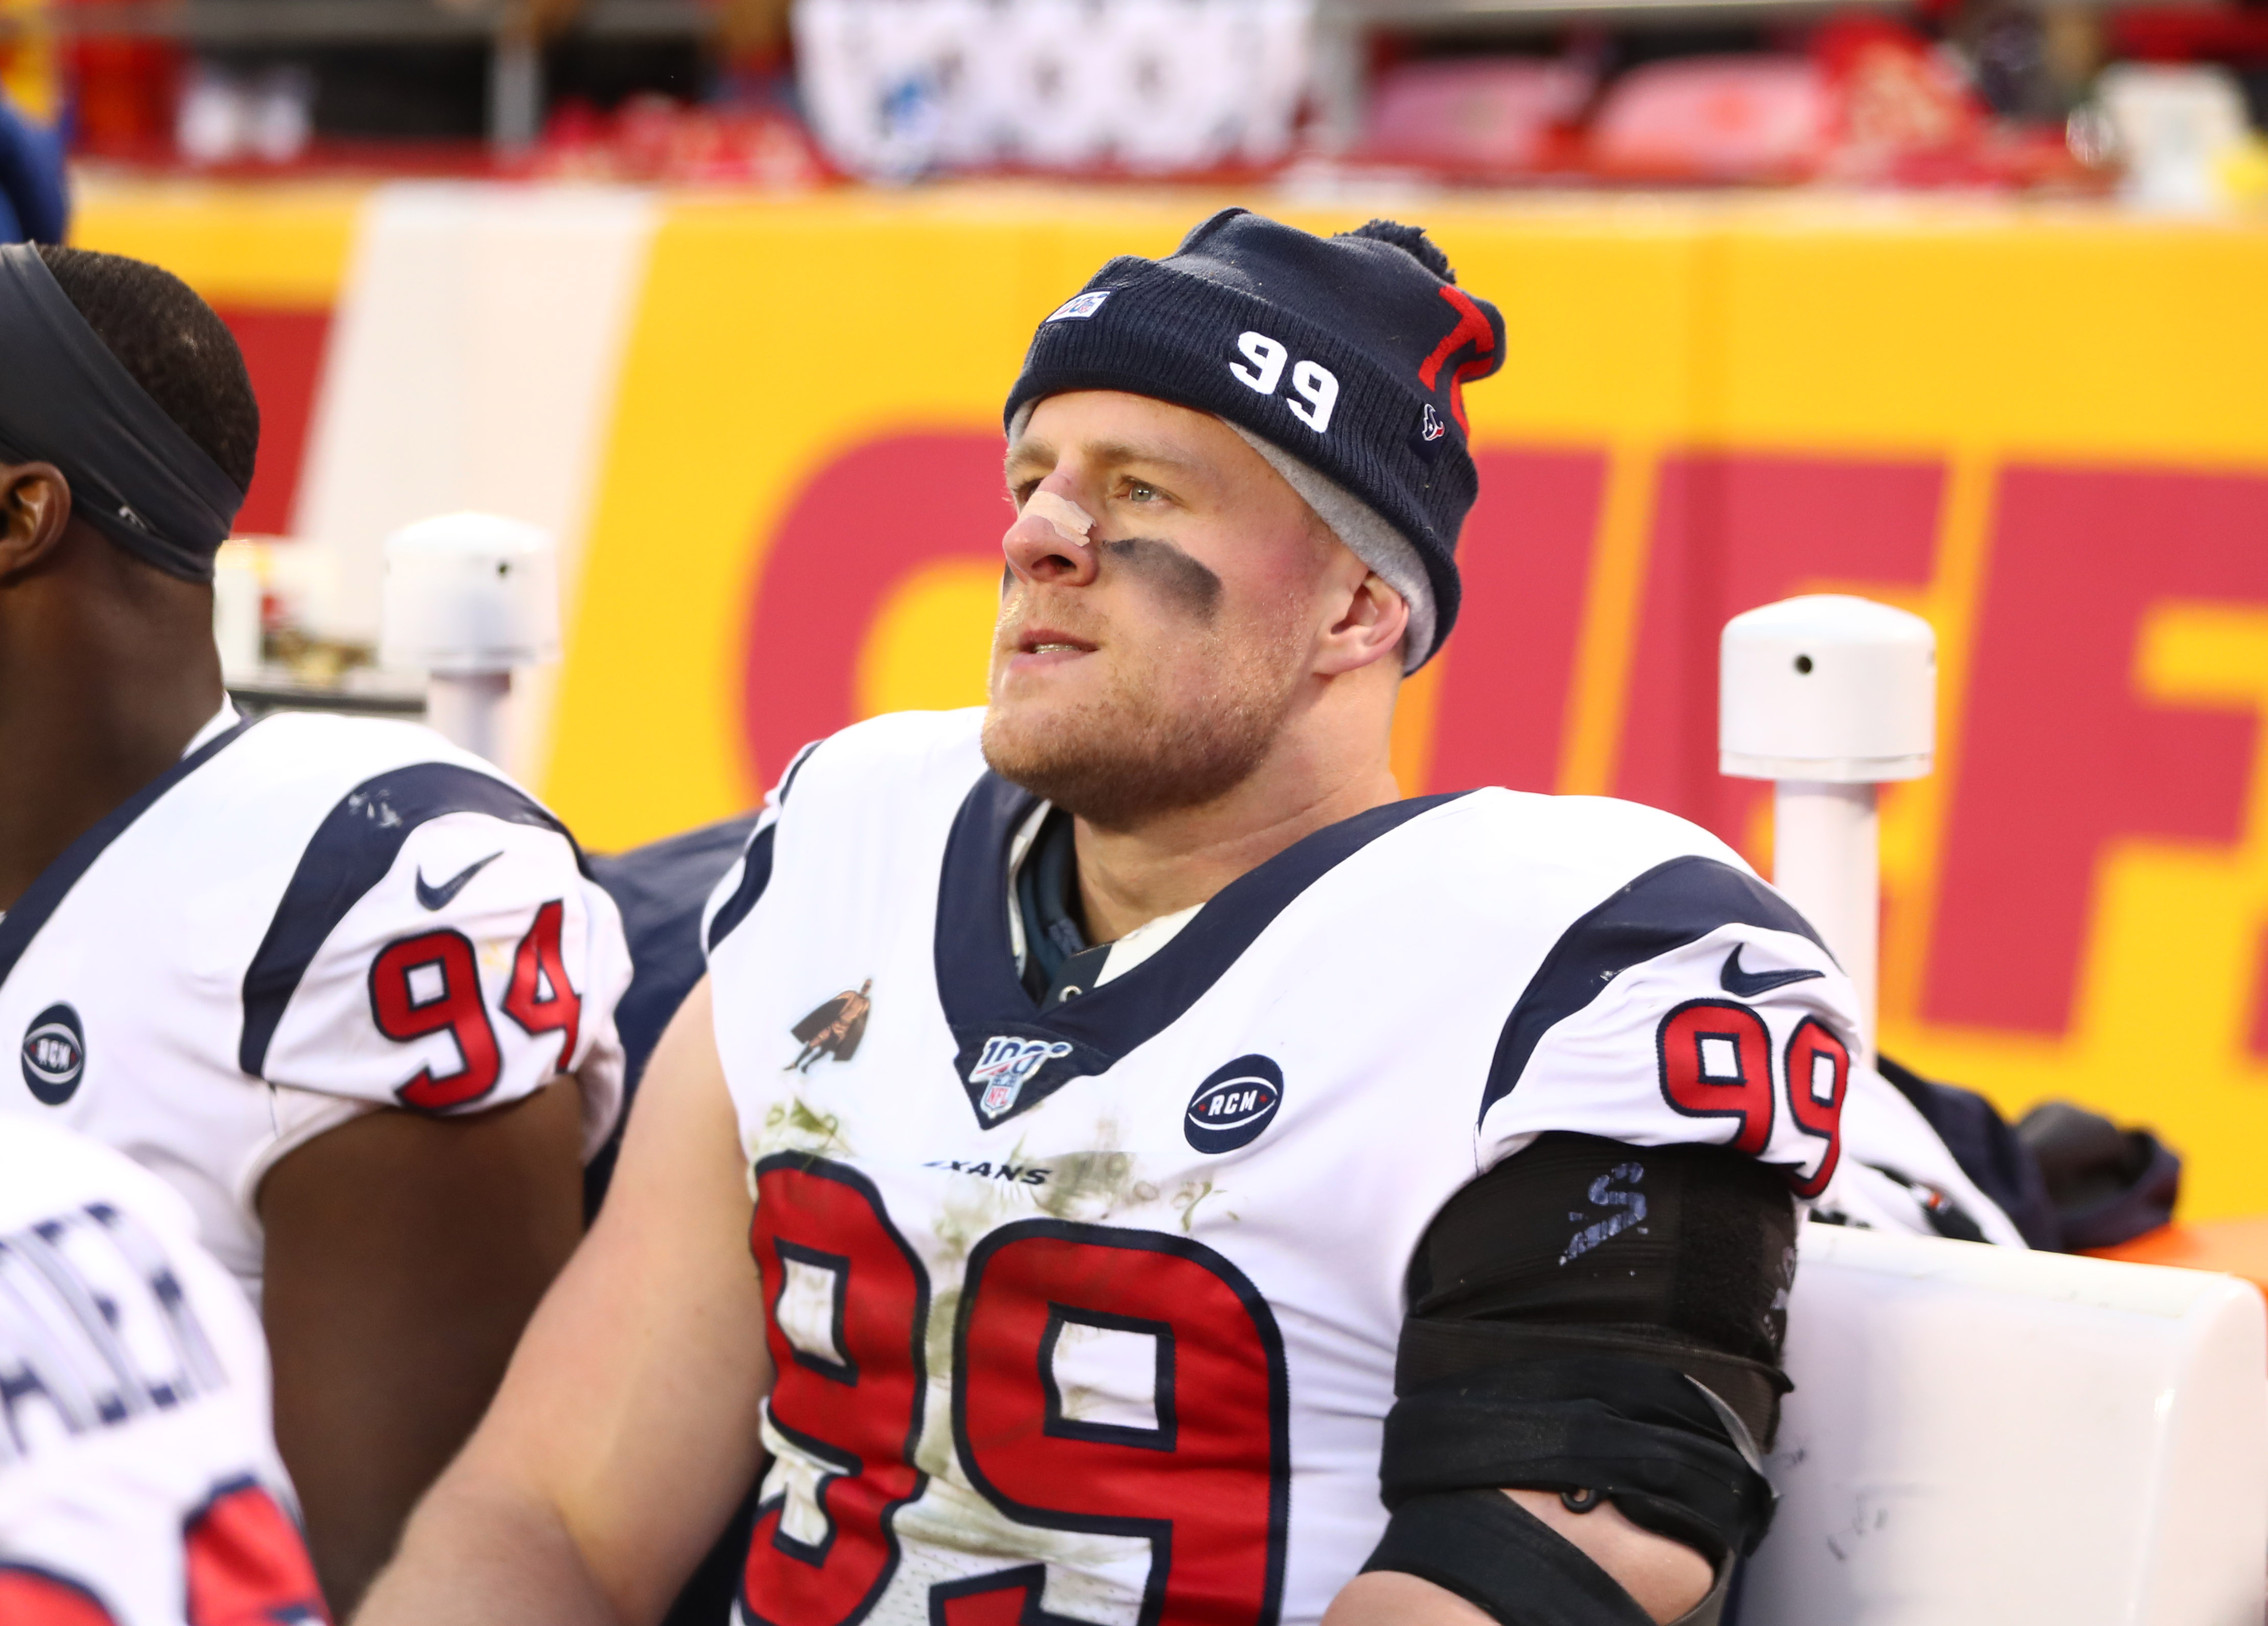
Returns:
<point x="1349" y="353"/>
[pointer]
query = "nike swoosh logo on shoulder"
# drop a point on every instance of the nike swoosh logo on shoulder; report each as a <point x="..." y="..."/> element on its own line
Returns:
<point x="437" y="897"/>
<point x="1748" y="984"/>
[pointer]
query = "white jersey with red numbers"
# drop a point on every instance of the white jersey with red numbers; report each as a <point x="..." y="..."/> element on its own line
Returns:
<point x="1090" y="1314"/>
<point x="308" y="918"/>
<point x="139" y="1485"/>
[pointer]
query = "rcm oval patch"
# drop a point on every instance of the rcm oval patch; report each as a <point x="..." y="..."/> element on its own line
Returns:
<point x="54" y="1055"/>
<point x="1234" y="1104"/>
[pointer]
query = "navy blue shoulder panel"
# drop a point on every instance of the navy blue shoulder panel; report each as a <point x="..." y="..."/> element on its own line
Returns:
<point x="54" y="883"/>
<point x="755" y="875"/>
<point x="758" y="873"/>
<point x="350" y="853"/>
<point x="1672" y="904"/>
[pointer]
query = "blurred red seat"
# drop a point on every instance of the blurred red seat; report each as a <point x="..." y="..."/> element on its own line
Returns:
<point x="1495" y="113"/>
<point x="1715" y="118"/>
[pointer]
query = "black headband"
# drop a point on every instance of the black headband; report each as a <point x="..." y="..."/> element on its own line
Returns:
<point x="134" y="474"/>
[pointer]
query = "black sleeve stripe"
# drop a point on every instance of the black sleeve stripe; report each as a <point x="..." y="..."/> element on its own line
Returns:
<point x="350" y="853"/>
<point x="756" y="873"/>
<point x="787" y="780"/>
<point x="1670" y="906"/>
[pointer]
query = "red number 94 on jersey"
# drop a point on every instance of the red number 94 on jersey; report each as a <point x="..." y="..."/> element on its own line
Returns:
<point x="430" y="983"/>
<point x="1200" y="1471"/>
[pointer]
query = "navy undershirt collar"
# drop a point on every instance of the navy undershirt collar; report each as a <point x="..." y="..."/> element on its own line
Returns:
<point x="1047" y="892"/>
<point x="987" y="1003"/>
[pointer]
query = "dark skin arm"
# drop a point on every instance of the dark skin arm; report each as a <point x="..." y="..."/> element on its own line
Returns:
<point x="404" y="1255"/>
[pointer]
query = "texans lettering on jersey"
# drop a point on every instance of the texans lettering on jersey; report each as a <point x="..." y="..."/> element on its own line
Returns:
<point x="1090" y="1314"/>
<point x="309" y="917"/>
<point x="139" y="1485"/>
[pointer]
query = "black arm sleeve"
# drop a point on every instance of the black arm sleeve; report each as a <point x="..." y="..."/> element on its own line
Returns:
<point x="1594" y="1317"/>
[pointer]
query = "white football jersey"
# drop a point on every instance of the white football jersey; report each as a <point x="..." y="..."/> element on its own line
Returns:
<point x="308" y="918"/>
<point x="1091" y="1314"/>
<point x="139" y="1485"/>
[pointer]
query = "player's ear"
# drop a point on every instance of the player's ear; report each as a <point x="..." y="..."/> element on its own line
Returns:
<point x="35" y="509"/>
<point x="1370" y="628"/>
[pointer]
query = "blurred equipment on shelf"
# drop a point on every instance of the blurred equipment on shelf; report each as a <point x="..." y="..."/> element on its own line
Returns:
<point x="2177" y="128"/>
<point x="225" y="117"/>
<point x="276" y="620"/>
<point x="239" y="613"/>
<point x="897" y="89"/>
<point x="469" y="600"/>
<point x="1899" y="103"/>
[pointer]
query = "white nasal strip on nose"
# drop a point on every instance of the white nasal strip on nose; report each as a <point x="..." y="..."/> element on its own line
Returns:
<point x="1071" y="522"/>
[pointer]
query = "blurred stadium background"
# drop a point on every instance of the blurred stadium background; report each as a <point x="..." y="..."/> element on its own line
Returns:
<point x="1957" y="305"/>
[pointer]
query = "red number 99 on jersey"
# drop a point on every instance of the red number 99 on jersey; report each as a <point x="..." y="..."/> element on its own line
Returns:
<point x="1197" y="1466"/>
<point x="1716" y="1062"/>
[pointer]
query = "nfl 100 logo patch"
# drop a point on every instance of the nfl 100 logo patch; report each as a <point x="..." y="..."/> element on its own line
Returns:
<point x="1005" y="1065"/>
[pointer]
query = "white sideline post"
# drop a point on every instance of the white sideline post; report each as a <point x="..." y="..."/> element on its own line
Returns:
<point x="469" y="597"/>
<point x="1828" y="697"/>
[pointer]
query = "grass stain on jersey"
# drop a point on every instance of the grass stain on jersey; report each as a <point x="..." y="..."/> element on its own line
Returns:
<point x="1192" y="1193"/>
<point x="1093" y="1185"/>
<point x="1088" y="1185"/>
<point x="796" y="1127"/>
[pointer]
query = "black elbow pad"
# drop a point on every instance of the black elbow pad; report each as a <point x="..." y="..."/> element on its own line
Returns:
<point x="1602" y="1320"/>
<point x="1493" y="1552"/>
<point x="1670" y="1455"/>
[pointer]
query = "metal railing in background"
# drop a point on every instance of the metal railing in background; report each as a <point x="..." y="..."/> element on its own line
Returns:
<point x="517" y="29"/>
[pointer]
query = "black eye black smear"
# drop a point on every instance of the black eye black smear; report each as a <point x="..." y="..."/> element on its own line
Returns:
<point x="1186" y="581"/>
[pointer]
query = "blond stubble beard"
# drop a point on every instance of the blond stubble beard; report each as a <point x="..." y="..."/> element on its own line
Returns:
<point x="1130" y="755"/>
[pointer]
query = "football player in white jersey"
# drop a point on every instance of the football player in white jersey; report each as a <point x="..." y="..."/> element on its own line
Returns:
<point x="139" y="1485"/>
<point x="343" y="986"/>
<point x="1191" y="1183"/>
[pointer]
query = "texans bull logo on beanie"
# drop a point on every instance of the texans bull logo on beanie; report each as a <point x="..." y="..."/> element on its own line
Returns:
<point x="1342" y="360"/>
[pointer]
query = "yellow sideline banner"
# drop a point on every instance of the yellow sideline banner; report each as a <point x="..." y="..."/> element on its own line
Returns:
<point x="2042" y="427"/>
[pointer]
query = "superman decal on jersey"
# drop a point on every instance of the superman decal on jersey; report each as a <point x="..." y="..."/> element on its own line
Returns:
<point x="835" y="1028"/>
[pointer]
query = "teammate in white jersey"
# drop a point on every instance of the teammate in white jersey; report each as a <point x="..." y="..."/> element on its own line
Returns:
<point x="341" y="985"/>
<point x="139" y="1485"/>
<point x="1191" y="1183"/>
